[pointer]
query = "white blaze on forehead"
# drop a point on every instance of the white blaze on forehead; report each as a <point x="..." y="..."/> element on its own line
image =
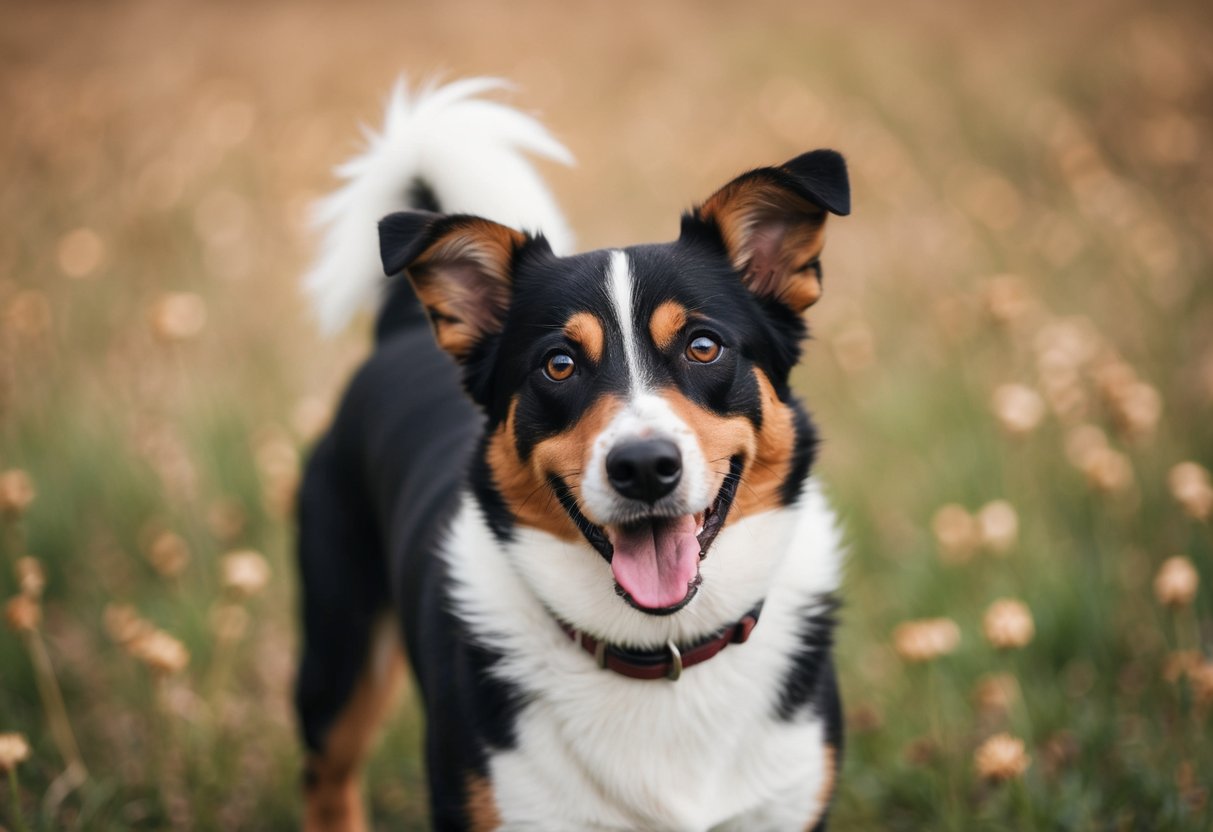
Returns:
<point x="622" y="293"/>
<point x="645" y="415"/>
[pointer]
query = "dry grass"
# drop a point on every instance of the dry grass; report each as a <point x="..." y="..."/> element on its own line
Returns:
<point x="1017" y="329"/>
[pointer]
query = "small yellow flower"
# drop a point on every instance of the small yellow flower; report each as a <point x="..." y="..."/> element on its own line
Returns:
<point x="30" y="577"/>
<point x="1181" y="663"/>
<point x="1137" y="409"/>
<point x="1066" y="396"/>
<point x="1060" y="751"/>
<point x="1108" y="470"/>
<point x="1082" y="442"/>
<point x="161" y="652"/>
<point x="999" y="525"/>
<point x="22" y="613"/>
<point x="168" y="554"/>
<point x="1191" y="487"/>
<point x="864" y="718"/>
<point x="921" y="751"/>
<point x="925" y="639"/>
<point x="124" y="625"/>
<point x="1114" y="378"/>
<point x="80" y="252"/>
<point x="245" y="572"/>
<point x="226" y="519"/>
<point x="995" y="693"/>
<point x="956" y="532"/>
<point x="28" y="314"/>
<point x="1001" y="757"/>
<point x="1008" y="624"/>
<point x="16" y="492"/>
<point x="14" y="750"/>
<point x="275" y="453"/>
<point x="1176" y="582"/>
<point x="1201" y="679"/>
<point x="1019" y="408"/>
<point x="1071" y="342"/>
<point x="178" y="316"/>
<point x="1007" y="298"/>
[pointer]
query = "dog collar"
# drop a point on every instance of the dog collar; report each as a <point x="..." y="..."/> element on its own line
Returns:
<point x="667" y="662"/>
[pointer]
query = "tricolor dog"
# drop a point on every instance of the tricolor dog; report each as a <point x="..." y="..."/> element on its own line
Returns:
<point x="574" y="491"/>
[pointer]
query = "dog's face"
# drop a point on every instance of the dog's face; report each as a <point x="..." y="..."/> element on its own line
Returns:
<point x="636" y="399"/>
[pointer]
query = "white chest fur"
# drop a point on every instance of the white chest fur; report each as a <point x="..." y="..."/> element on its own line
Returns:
<point x="596" y="750"/>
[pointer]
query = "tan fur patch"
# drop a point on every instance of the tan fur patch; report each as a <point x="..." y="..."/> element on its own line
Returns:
<point x="772" y="462"/>
<point x="586" y="330"/>
<point x="827" y="787"/>
<point x="720" y="438"/>
<point x="333" y="799"/>
<point x="463" y="279"/>
<point x="767" y="453"/>
<point x="452" y="333"/>
<point x="772" y="236"/>
<point x="524" y="484"/>
<point x="668" y="320"/>
<point x="481" y="805"/>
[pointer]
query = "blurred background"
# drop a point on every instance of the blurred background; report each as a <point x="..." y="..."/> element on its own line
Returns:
<point x="1012" y="368"/>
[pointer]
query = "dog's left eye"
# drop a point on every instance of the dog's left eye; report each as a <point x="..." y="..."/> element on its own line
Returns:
<point x="703" y="349"/>
<point x="559" y="366"/>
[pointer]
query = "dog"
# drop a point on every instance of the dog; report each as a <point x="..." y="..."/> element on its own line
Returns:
<point x="574" y="490"/>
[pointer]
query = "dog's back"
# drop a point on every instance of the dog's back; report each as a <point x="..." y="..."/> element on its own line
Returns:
<point x="381" y="484"/>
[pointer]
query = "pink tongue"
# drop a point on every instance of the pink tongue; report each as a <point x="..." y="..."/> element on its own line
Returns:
<point x="655" y="562"/>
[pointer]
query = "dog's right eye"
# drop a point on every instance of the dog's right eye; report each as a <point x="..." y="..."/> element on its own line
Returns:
<point x="703" y="349"/>
<point x="559" y="366"/>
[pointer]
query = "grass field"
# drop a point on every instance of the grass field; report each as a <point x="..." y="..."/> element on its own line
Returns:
<point x="1014" y="351"/>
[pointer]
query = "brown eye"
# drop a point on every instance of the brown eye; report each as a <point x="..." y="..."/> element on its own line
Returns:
<point x="703" y="349"/>
<point x="559" y="366"/>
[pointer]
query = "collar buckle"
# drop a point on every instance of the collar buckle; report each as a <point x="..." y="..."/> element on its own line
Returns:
<point x="675" y="671"/>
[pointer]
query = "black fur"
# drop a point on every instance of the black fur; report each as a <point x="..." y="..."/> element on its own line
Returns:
<point x="422" y="197"/>
<point x="377" y="495"/>
<point x="381" y="487"/>
<point x="811" y="669"/>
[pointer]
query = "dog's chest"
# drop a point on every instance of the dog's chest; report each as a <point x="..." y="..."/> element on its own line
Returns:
<point x="706" y="752"/>
<point x="717" y="750"/>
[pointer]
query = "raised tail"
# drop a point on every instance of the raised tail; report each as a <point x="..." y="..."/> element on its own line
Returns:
<point x="442" y="148"/>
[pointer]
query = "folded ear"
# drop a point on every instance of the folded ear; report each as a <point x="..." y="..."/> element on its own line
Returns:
<point x="772" y="223"/>
<point x="460" y="268"/>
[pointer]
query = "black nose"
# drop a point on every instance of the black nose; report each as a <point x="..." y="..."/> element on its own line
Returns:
<point x="645" y="470"/>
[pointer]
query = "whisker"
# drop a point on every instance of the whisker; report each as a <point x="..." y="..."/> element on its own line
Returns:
<point x="741" y="483"/>
<point x="765" y="466"/>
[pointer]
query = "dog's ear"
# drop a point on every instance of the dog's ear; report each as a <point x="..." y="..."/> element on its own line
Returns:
<point x="772" y="223"/>
<point x="460" y="268"/>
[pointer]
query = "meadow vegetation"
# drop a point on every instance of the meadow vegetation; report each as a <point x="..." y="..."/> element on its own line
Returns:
<point x="1012" y="367"/>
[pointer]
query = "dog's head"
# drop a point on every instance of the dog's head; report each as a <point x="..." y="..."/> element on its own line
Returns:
<point x="636" y="399"/>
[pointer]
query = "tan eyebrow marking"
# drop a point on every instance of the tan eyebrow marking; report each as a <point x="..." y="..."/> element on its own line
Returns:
<point x="586" y="330"/>
<point x="668" y="320"/>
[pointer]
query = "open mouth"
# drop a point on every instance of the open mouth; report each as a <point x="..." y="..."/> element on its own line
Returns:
<point x="655" y="560"/>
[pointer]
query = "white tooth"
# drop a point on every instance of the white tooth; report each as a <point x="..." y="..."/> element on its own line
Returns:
<point x="699" y="531"/>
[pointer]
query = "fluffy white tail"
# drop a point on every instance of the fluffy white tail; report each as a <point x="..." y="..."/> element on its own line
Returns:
<point x="469" y="152"/>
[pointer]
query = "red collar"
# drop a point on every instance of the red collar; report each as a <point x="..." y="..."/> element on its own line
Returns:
<point x="668" y="662"/>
